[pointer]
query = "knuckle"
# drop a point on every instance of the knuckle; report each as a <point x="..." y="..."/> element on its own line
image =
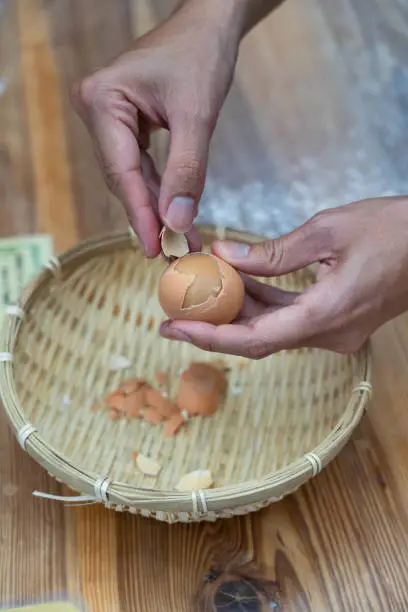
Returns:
<point x="204" y="119"/>
<point x="84" y="92"/>
<point x="207" y="346"/>
<point x="323" y="225"/>
<point x="112" y="177"/>
<point x="313" y="311"/>
<point x="324" y="228"/>
<point x="257" y="349"/>
<point x="112" y="180"/>
<point x="319" y="219"/>
<point x="324" y="219"/>
<point x="92" y="92"/>
<point x="271" y="251"/>
<point x="75" y="95"/>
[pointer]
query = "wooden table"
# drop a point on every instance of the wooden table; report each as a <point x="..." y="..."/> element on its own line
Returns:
<point x="317" y="115"/>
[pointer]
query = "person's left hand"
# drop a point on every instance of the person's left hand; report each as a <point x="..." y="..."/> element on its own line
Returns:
<point x="362" y="282"/>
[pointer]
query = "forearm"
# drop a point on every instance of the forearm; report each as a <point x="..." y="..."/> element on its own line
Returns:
<point x="239" y="16"/>
<point x="254" y="11"/>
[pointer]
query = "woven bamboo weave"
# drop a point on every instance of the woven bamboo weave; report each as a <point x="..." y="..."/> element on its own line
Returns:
<point x="282" y="420"/>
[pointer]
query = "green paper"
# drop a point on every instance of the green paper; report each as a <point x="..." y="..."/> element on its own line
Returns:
<point x="21" y="259"/>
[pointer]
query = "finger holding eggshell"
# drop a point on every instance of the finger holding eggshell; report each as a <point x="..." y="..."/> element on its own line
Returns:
<point x="175" y="245"/>
<point x="194" y="240"/>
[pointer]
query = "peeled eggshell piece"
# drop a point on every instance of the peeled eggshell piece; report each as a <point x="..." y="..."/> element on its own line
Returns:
<point x="151" y="415"/>
<point x="173" y="425"/>
<point x="116" y="400"/>
<point x="173" y="244"/>
<point x="156" y="400"/>
<point x="201" y="287"/>
<point x="200" y="389"/>
<point x="134" y="402"/>
<point x="147" y="466"/>
<point x="161" y="377"/>
<point x="197" y="480"/>
<point x="113" y="414"/>
<point x="131" y="385"/>
<point x="119" y="362"/>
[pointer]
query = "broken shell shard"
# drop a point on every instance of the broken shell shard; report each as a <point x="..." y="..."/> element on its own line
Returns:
<point x="133" y="403"/>
<point x="115" y="400"/>
<point x="201" y="287"/>
<point x="131" y="385"/>
<point x="151" y="415"/>
<point x="173" y="425"/>
<point x="173" y="244"/>
<point x="200" y="390"/>
<point x="148" y="466"/>
<point x="194" y="481"/>
<point x="119" y="362"/>
<point x="156" y="400"/>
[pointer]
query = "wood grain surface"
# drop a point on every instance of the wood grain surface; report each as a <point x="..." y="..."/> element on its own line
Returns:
<point x="316" y="116"/>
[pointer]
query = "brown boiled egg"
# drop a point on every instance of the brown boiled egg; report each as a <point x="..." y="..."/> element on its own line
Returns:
<point x="201" y="287"/>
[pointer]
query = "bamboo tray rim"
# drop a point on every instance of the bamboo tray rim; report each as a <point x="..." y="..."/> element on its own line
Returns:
<point x="271" y="486"/>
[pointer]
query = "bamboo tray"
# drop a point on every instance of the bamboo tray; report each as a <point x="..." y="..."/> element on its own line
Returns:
<point x="283" y="419"/>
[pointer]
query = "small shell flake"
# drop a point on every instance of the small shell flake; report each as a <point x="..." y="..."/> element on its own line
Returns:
<point x="119" y="362"/>
<point x="173" y="244"/>
<point x="199" y="479"/>
<point x="147" y="466"/>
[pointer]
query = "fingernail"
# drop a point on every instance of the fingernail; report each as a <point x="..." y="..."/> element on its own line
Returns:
<point x="180" y="214"/>
<point x="233" y="250"/>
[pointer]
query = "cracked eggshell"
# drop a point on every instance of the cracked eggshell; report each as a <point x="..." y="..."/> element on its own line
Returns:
<point x="173" y="244"/>
<point x="213" y="290"/>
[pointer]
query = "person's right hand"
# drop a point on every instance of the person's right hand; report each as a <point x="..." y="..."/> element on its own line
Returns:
<point x="175" y="77"/>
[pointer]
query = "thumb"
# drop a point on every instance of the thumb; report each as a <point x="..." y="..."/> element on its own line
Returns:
<point x="298" y="249"/>
<point x="184" y="177"/>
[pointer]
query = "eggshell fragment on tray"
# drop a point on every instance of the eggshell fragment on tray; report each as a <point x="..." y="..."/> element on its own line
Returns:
<point x="119" y="362"/>
<point x="134" y="402"/>
<point x="113" y="414"/>
<point x="194" y="481"/>
<point x="201" y="287"/>
<point x="151" y="415"/>
<point x="173" y="425"/>
<point x="116" y="401"/>
<point x="161" y="378"/>
<point x="147" y="466"/>
<point x="131" y="385"/>
<point x="201" y="388"/>
<point x="157" y="400"/>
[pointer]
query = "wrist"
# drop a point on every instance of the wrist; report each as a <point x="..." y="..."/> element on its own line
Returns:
<point x="236" y="17"/>
<point x="229" y="17"/>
